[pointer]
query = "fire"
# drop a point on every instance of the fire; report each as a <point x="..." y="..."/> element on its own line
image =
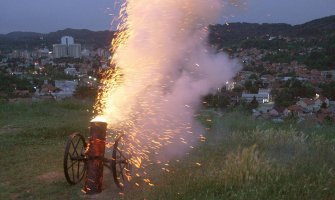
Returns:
<point x="99" y="119"/>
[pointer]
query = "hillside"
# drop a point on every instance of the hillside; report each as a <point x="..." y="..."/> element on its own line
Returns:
<point x="240" y="159"/>
<point x="220" y="35"/>
<point x="236" y="32"/>
<point x="30" y="40"/>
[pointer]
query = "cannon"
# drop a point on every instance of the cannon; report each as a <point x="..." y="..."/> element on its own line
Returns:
<point x="86" y="160"/>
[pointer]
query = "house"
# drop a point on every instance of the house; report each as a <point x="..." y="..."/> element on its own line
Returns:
<point x="66" y="89"/>
<point x="263" y="96"/>
<point x="47" y="89"/>
<point x="265" y="108"/>
<point x="267" y="78"/>
<point x="321" y="100"/>
<point x="45" y="93"/>
<point x="71" y="71"/>
<point x="307" y="104"/>
<point x="328" y="75"/>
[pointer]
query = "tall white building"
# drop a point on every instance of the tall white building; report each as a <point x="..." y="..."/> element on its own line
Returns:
<point x="59" y="50"/>
<point x="67" y="40"/>
<point x="67" y="48"/>
<point x="74" y="50"/>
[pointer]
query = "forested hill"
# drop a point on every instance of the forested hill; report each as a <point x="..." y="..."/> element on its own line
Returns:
<point x="234" y="33"/>
<point x="220" y="35"/>
<point x="30" y="40"/>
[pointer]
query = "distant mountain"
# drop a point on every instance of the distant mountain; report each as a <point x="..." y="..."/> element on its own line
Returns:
<point x="31" y="40"/>
<point x="82" y="36"/>
<point x="236" y="32"/>
<point x="19" y="35"/>
<point x="221" y="35"/>
<point x="316" y="27"/>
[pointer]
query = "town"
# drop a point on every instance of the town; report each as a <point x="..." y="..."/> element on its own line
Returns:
<point x="282" y="76"/>
<point x="62" y="72"/>
<point x="187" y="99"/>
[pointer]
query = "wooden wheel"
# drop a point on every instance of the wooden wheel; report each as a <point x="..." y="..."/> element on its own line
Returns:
<point x="121" y="166"/>
<point x="74" y="159"/>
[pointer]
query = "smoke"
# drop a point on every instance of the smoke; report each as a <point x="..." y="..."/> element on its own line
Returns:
<point x="164" y="66"/>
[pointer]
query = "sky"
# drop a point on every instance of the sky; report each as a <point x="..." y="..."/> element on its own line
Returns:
<point x="51" y="15"/>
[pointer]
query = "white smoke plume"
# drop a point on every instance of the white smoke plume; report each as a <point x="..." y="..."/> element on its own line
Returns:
<point x="167" y="66"/>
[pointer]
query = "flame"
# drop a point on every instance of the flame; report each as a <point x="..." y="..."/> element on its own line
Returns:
<point x="99" y="119"/>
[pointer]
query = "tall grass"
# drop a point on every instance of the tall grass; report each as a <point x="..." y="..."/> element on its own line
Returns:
<point x="249" y="159"/>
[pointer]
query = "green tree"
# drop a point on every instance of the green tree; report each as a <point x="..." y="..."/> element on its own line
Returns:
<point x="284" y="98"/>
<point x="253" y="104"/>
<point x="83" y="92"/>
<point x="328" y="90"/>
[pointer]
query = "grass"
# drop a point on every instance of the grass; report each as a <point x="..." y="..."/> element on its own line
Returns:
<point x="32" y="138"/>
<point x="241" y="159"/>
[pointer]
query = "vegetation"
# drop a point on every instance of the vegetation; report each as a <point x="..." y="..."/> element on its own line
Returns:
<point x="293" y="89"/>
<point x="32" y="138"/>
<point x="55" y="73"/>
<point x="9" y="83"/>
<point x="241" y="158"/>
<point x="328" y="90"/>
<point x="84" y="92"/>
<point x="312" y="43"/>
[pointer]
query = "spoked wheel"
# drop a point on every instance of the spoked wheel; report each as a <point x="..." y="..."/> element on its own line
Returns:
<point x="74" y="159"/>
<point x="121" y="166"/>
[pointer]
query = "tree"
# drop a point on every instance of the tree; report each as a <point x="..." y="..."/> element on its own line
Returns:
<point x="83" y="92"/>
<point x="253" y="104"/>
<point x="248" y="85"/>
<point x="253" y="77"/>
<point x="324" y="105"/>
<point x="328" y="90"/>
<point x="284" y="98"/>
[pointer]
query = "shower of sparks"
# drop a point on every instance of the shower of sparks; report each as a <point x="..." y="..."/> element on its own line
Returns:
<point x="144" y="94"/>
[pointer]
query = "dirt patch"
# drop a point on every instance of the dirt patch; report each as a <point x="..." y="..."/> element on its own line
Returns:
<point x="50" y="177"/>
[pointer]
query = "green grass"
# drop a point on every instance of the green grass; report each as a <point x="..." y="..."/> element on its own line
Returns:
<point x="32" y="138"/>
<point x="242" y="158"/>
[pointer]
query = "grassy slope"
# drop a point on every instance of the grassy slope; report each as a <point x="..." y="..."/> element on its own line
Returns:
<point x="241" y="159"/>
<point x="32" y="140"/>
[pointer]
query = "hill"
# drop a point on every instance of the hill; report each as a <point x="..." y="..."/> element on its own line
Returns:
<point x="242" y="158"/>
<point x="31" y="40"/>
<point x="233" y="33"/>
<point x="220" y="35"/>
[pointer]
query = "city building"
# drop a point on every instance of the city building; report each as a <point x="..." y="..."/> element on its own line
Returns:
<point x="67" y="48"/>
<point x="67" y="40"/>
<point x="59" y="50"/>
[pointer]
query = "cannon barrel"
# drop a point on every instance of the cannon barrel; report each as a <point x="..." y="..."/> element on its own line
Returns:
<point x="95" y="153"/>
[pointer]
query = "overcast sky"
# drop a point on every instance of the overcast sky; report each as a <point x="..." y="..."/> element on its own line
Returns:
<point x="51" y="15"/>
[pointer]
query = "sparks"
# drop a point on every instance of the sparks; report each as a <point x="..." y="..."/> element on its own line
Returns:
<point x="154" y="85"/>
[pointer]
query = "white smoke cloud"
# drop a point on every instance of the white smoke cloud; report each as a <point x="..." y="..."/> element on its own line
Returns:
<point x="167" y="67"/>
